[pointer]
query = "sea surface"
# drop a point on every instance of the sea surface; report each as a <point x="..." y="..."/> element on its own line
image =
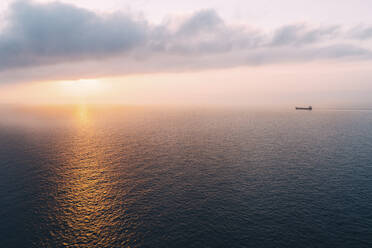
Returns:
<point x="84" y="176"/>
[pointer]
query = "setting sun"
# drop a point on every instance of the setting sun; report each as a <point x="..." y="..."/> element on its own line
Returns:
<point x="81" y="88"/>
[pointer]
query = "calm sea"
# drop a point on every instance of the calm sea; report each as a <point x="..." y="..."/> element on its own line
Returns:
<point x="138" y="177"/>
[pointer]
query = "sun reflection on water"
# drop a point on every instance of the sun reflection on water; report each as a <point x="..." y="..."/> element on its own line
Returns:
<point x="82" y="114"/>
<point x="87" y="208"/>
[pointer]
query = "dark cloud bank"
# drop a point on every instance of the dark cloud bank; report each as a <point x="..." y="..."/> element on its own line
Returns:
<point x="50" y="41"/>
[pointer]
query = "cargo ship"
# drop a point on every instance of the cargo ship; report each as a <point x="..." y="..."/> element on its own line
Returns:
<point x="304" y="108"/>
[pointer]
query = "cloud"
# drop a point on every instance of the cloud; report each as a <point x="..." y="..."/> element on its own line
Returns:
<point x="203" y="33"/>
<point x="302" y="35"/>
<point x="361" y="33"/>
<point x="40" y="34"/>
<point x="56" y="40"/>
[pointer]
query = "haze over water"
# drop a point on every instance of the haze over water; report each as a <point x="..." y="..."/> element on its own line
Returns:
<point x="185" y="177"/>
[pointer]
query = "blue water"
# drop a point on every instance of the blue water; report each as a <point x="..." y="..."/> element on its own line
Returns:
<point x="141" y="177"/>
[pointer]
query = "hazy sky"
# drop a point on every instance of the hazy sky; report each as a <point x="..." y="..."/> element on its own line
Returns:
<point x="190" y="52"/>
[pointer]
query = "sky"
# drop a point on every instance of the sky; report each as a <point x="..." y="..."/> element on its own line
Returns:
<point x="234" y="52"/>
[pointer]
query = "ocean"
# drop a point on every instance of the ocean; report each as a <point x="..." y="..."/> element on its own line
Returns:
<point x="84" y="176"/>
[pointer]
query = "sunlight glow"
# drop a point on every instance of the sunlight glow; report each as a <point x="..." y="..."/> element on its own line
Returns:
<point x="81" y="87"/>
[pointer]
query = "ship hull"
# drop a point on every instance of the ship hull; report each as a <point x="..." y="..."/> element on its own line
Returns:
<point x="299" y="108"/>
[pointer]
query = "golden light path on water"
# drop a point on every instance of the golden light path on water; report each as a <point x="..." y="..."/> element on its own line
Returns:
<point x="87" y="208"/>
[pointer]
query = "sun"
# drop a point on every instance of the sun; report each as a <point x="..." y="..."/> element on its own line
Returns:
<point x="81" y="87"/>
